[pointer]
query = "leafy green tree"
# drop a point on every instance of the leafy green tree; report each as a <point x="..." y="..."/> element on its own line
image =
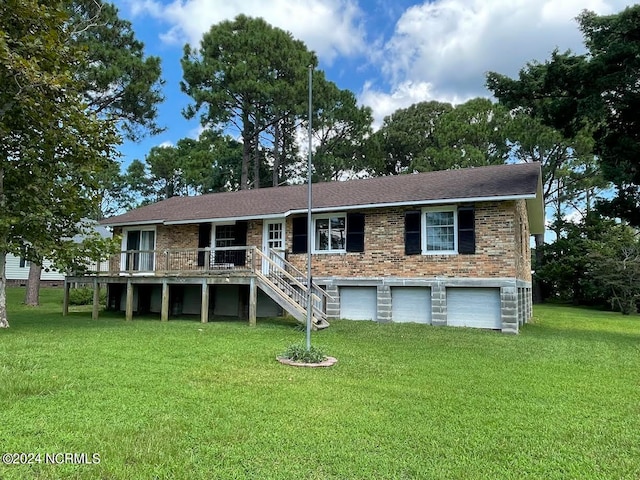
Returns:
<point x="614" y="266"/>
<point x="240" y="77"/>
<point x="118" y="82"/>
<point x="340" y="128"/>
<point x="571" y="180"/>
<point x="157" y="178"/>
<point x="209" y="164"/>
<point x="50" y="146"/>
<point x="430" y="136"/>
<point x="561" y="265"/>
<point x="212" y="163"/>
<point x="469" y="135"/>
<point x="405" y="136"/>
<point x="118" y="85"/>
<point x="597" y="91"/>
<point x="113" y="193"/>
<point x="593" y="262"/>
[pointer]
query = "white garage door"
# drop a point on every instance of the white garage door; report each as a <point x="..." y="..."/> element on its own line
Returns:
<point x="358" y="303"/>
<point x="411" y="304"/>
<point x="474" y="307"/>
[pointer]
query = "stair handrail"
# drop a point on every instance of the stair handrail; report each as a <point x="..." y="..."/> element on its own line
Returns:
<point x="279" y="268"/>
<point x="296" y="271"/>
<point x="272" y="278"/>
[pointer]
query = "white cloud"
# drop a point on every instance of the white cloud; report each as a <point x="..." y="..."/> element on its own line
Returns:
<point x="331" y="28"/>
<point x="452" y="44"/>
<point x="405" y="94"/>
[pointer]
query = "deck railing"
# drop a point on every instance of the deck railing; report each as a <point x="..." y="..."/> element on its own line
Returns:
<point x="177" y="261"/>
<point x="287" y="284"/>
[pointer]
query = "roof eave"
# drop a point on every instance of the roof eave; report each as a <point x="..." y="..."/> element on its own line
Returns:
<point x="336" y="208"/>
<point x="439" y="201"/>
<point x="535" y="210"/>
<point x="132" y="223"/>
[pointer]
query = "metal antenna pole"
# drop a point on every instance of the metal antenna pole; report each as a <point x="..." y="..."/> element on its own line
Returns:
<point x="309" y="222"/>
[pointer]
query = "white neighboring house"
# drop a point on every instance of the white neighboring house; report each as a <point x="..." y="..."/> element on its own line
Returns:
<point x="17" y="271"/>
<point x="17" y="268"/>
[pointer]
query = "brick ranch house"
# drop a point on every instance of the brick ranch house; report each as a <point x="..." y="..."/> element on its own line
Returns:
<point x="442" y="248"/>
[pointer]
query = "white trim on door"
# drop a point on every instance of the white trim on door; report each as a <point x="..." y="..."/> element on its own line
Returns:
<point x="274" y="237"/>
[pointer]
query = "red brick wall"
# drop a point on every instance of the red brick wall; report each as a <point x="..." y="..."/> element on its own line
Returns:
<point x="502" y="247"/>
<point x="176" y="237"/>
<point x="496" y="254"/>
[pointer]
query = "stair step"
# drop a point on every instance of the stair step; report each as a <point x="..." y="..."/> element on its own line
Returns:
<point x="321" y="324"/>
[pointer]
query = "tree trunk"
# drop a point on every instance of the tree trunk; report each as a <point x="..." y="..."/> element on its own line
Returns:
<point x="256" y="161"/>
<point x="246" y="152"/>
<point x="32" y="295"/>
<point x="4" y="323"/>
<point x="536" y="287"/>
<point x="276" y="154"/>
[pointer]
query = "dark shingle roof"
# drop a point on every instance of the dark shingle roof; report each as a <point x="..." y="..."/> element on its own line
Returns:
<point x="513" y="180"/>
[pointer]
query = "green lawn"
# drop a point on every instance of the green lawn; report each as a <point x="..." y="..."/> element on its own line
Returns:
<point x="182" y="400"/>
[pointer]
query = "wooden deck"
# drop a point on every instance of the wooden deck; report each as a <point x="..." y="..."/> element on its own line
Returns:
<point x="231" y="266"/>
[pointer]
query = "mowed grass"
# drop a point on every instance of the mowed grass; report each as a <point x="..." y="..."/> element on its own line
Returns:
<point x="183" y="400"/>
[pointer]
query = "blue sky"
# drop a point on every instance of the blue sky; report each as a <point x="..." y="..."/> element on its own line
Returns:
<point x="389" y="53"/>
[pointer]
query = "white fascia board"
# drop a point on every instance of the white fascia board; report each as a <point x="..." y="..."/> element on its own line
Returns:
<point x="226" y="219"/>
<point x="444" y="201"/>
<point x="134" y="224"/>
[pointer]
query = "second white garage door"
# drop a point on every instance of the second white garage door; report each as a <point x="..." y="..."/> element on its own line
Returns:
<point x="474" y="307"/>
<point x="411" y="304"/>
<point x="358" y="303"/>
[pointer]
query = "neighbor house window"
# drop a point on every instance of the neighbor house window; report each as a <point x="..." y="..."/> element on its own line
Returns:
<point x="440" y="231"/>
<point x="330" y="233"/>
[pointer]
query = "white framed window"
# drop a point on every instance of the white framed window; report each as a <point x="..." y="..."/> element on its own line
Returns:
<point x="225" y="235"/>
<point x="330" y="233"/>
<point x="139" y="245"/>
<point x="440" y="227"/>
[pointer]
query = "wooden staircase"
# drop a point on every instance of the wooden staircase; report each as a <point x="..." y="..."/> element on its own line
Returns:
<point x="286" y="285"/>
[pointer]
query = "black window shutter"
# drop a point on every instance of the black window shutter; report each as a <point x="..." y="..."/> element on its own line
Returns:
<point x="412" y="233"/>
<point x="240" y="240"/>
<point x="466" y="230"/>
<point x="204" y="240"/>
<point x="240" y="234"/>
<point x="299" y="227"/>
<point x="355" y="232"/>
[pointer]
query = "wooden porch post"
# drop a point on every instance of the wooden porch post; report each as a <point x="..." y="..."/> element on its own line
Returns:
<point x="65" y="301"/>
<point x="204" y="307"/>
<point x="253" y="301"/>
<point x="96" y="299"/>
<point x="129" y="301"/>
<point x="164" y="309"/>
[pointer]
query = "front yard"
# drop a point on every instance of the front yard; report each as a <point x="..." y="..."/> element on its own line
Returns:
<point x="185" y="400"/>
